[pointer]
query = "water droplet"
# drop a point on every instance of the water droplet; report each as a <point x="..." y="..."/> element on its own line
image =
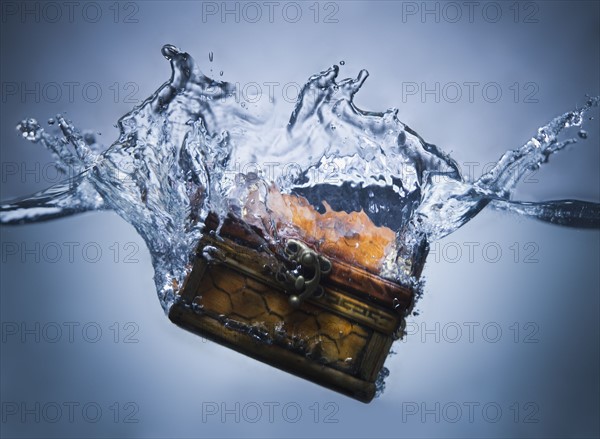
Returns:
<point x="221" y="73"/>
<point x="210" y="56"/>
<point x="89" y="138"/>
<point x="169" y="51"/>
<point x="30" y="129"/>
<point x="583" y="134"/>
<point x="380" y="382"/>
<point x="342" y="62"/>
<point x="51" y="121"/>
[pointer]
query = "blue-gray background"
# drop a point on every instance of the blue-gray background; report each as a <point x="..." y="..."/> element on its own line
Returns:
<point x="548" y="387"/>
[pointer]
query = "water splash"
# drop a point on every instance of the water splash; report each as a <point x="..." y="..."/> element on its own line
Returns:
<point x="176" y="156"/>
<point x="380" y="381"/>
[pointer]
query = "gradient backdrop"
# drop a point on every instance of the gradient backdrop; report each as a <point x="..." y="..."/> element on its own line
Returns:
<point x="506" y="345"/>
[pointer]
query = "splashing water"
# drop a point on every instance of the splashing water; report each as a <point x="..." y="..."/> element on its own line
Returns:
<point x="171" y="166"/>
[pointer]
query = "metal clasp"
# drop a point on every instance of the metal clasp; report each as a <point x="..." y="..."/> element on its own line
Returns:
<point x="305" y="279"/>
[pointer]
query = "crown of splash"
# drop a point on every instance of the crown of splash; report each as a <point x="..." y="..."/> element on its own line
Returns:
<point x="170" y="167"/>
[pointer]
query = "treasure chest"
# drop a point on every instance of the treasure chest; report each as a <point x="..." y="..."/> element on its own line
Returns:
<point x="309" y="302"/>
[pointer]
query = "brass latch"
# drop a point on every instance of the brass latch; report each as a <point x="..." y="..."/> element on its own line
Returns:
<point x="303" y="280"/>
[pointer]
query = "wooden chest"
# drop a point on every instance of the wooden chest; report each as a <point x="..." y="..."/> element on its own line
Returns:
<point x="287" y="305"/>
